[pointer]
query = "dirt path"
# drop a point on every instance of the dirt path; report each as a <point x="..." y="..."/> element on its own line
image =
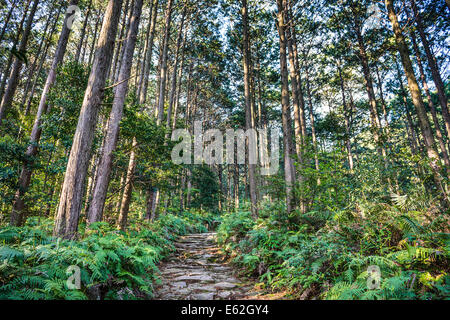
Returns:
<point x="197" y="272"/>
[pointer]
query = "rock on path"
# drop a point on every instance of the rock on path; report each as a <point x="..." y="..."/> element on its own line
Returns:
<point x="195" y="272"/>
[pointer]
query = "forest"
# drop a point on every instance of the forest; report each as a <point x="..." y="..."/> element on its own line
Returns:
<point x="120" y="177"/>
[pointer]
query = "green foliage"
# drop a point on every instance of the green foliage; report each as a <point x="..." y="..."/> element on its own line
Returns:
<point x="331" y="262"/>
<point x="113" y="264"/>
<point x="205" y="192"/>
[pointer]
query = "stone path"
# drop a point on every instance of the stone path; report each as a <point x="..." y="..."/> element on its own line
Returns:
<point x="197" y="272"/>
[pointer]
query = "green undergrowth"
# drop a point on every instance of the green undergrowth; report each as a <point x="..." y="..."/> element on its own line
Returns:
<point x="327" y="256"/>
<point x="112" y="264"/>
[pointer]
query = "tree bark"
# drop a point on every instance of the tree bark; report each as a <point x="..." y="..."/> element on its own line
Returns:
<point x="289" y="172"/>
<point x="41" y="64"/>
<point x="424" y="124"/>
<point x="25" y="175"/>
<point x="70" y="202"/>
<point x="127" y="192"/>
<point x="83" y="32"/>
<point x="94" y="40"/>
<point x="175" y="70"/>
<point x="102" y="182"/>
<point x="17" y="66"/>
<point x="437" y="125"/>
<point x="163" y="66"/>
<point x="347" y="121"/>
<point x="5" y="69"/>
<point x="40" y="55"/>
<point x="7" y="18"/>
<point x="313" y="126"/>
<point x="145" y="68"/>
<point x="374" y="117"/>
<point x="432" y="63"/>
<point x="249" y="112"/>
<point x="299" y="107"/>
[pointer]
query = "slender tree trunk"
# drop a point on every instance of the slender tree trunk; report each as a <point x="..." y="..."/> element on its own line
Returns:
<point x="298" y="103"/>
<point x="413" y="138"/>
<point x="17" y="66"/>
<point x="236" y="184"/>
<point x="163" y="66"/>
<point x="417" y="99"/>
<point x="70" y="202"/>
<point x="119" y="42"/>
<point x="83" y="31"/>
<point x="148" y="60"/>
<point x="437" y="125"/>
<point x="25" y="175"/>
<point x="383" y="101"/>
<point x="374" y="117"/>
<point x="127" y="192"/>
<point x="6" y="68"/>
<point x="41" y="64"/>
<point x="94" y="41"/>
<point x="289" y="172"/>
<point x="149" y="204"/>
<point x="7" y="18"/>
<point x="101" y="184"/>
<point x="249" y="112"/>
<point x="32" y="68"/>
<point x="180" y="77"/>
<point x="123" y="42"/>
<point x="347" y="122"/>
<point x="147" y="49"/>
<point x="432" y="63"/>
<point x="301" y="99"/>
<point x="175" y="70"/>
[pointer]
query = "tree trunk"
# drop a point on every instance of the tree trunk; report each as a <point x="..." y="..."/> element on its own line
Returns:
<point x="175" y="70"/>
<point x="68" y="214"/>
<point x="145" y="70"/>
<point x="374" y="117"/>
<point x="94" y="40"/>
<point x="83" y="32"/>
<point x="17" y="66"/>
<point x="127" y="192"/>
<point x="432" y="63"/>
<point x="437" y="125"/>
<point x="347" y="122"/>
<point x="6" y="69"/>
<point x="180" y="77"/>
<point x="289" y="172"/>
<point x="119" y="42"/>
<point x="7" y="18"/>
<point x="102" y="182"/>
<point x="163" y="66"/>
<point x="299" y="107"/>
<point x="41" y="64"/>
<point x="313" y="126"/>
<point x="25" y="175"/>
<point x="30" y="71"/>
<point x="249" y="112"/>
<point x="417" y="99"/>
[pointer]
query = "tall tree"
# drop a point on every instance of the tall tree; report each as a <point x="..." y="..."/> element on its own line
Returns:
<point x="70" y="202"/>
<point x="249" y="112"/>
<point x="163" y="65"/>
<point x="424" y="124"/>
<point x="289" y="172"/>
<point x="432" y="63"/>
<point x="105" y="165"/>
<point x="13" y="80"/>
<point x="25" y="175"/>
